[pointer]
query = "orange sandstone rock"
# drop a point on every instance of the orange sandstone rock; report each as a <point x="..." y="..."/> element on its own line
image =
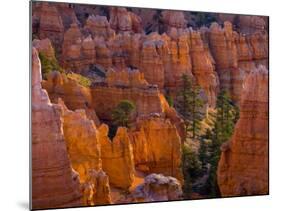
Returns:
<point x="53" y="182"/>
<point x="130" y="86"/>
<point x="74" y="95"/>
<point x="96" y="189"/>
<point x="126" y="78"/>
<point x="203" y="68"/>
<point x="151" y="64"/>
<point x="50" y="24"/>
<point x="45" y="46"/>
<point x="83" y="146"/>
<point x="99" y="26"/>
<point x="78" y="53"/>
<point x="117" y="157"/>
<point x="243" y="166"/>
<point x="82" y="141"/>
<point x="123" y="21"/>
<point x="157" y="146"/>
<point x="174" y="19"/>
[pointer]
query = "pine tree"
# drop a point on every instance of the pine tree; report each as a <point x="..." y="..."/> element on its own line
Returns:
<point x="190" y="105"/>
<point x="191" y="168"/>
<point x="121" y="114"/>
<point x="226" y="117"/>
<point x="203" y="154"/>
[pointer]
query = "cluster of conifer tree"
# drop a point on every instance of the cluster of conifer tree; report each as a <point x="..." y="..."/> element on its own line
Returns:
<point x="205" y="160"/>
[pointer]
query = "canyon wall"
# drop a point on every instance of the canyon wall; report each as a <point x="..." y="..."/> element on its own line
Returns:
<point x="74" y="95"/>
<point x="243" y="166"/>
<point x="84" y="149"/>
<point x="117" y="157"/>
<point x="54" y="184"/>
<point x="157" y="147"/>
<point x="125" y="86"/>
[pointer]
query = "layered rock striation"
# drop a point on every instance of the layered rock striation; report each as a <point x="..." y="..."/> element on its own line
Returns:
<point x="243" y="166"/>
<point x="117" y="157"/>
<point x="74" y="95"/>
<point x="78" y="52"/>
<point x="157" y="147"/>
<point x="54" y="184"/>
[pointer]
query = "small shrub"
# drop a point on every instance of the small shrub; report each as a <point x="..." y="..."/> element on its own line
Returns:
<point x="48" y="65"/>
<point x="121" y="114"/>
<point x="82" y="80"/>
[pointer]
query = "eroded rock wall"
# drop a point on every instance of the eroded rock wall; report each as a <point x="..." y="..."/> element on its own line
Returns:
<point x="243" y="166"/>
<point x="54" y="184"/>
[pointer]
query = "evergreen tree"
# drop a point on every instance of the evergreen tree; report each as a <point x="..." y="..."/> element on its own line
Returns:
<point x="190" y="105"/>
<point x="203" y="154"/>
<point x="121" y="114"/>
<point x="226" y="117"/>
<point x="191" y="168"/>
<point x="48" y="65"/>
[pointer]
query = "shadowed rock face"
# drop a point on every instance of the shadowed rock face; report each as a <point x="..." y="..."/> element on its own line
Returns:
<point x="78" y="52"/>
<point x="50" y="24"/>
<point x="243" y="166"/>
<point x="157" y="187"/>
<point x="53" y="182"/>
<point x="123" y="21"/>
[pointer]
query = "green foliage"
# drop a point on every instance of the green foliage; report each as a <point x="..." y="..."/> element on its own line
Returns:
<point x="226" y="117"/>
<point x="191" y="168"/>
<point x="82" y="80"/>
<point x="121" y="114"/>
<point x="48" y="65"/>
<point x="190" y="105"/>
<point x="203" y="153"/>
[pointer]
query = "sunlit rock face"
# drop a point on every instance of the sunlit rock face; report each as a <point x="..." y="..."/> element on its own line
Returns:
<point x="82" y="141"/>
<point x="117" y="157"/>
<point x="50" y="163"/>
<point x="96" y="189"/>
<point x="157" y="147"/>
<point x="157" y="187"/>
<point x="84" y="150"/>
<point x="243" y="166"/>
<point x="126" y="85"/>
<point x="74" y="95"/>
